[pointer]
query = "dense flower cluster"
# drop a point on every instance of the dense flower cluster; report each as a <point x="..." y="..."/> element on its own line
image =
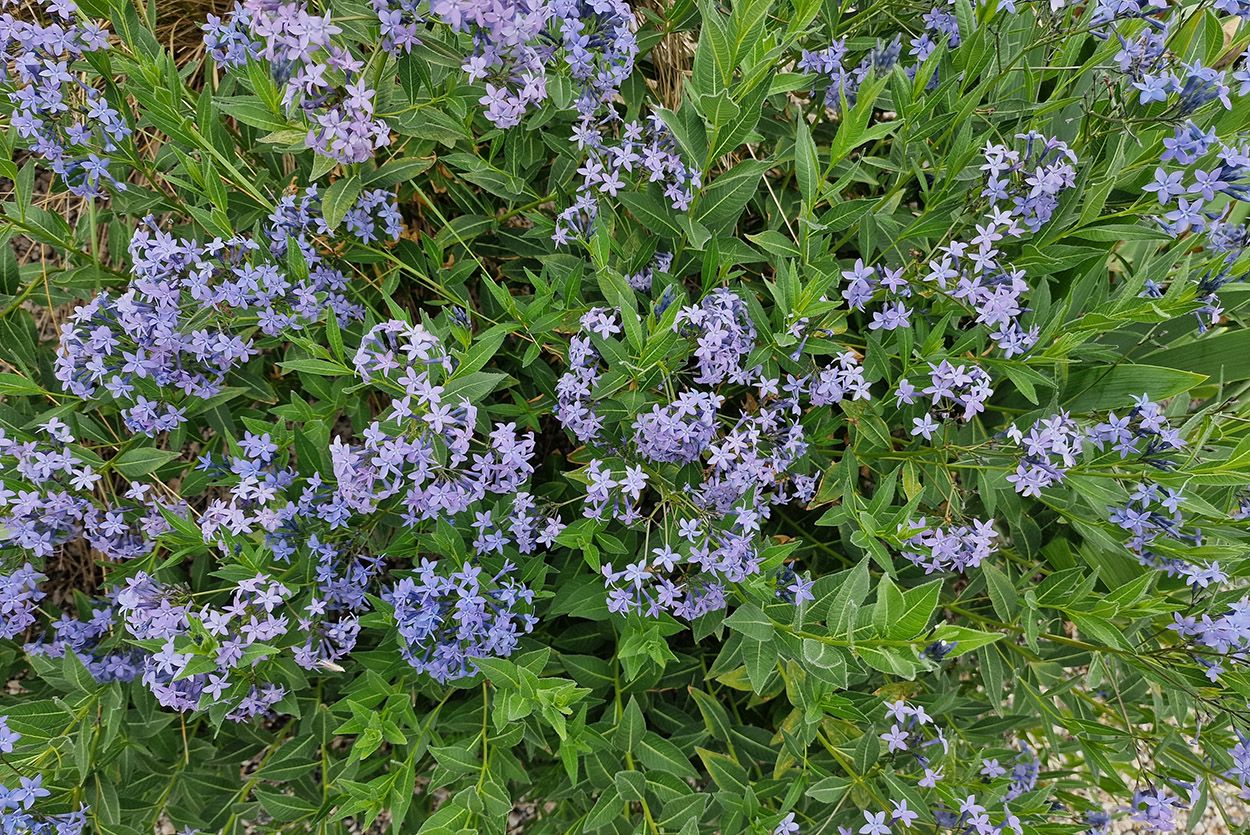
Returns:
<point x="724" y="335"/>
<point x="1153" y="519"/>
<point x="955" y="548"/>
<point x="88" y="640"/>
<point x="645" y="152"/>
<point x="706" y="489"/>
<point x="1156" y="809"/>
<point x="320" y="77"/>
<point x="419" y="461"/>
<point x="239" y="635"/>
<point x="837" y="81"/>
<point x="446" y="622"/>
<point x="1218" y="640"/>
<point x="1155" y="75"/>
<point x="174" y="333"/>
<point x="641" y="280"/>
<point x="68" y="122"/>
<point x="1152" y="514"/>
<point x="955" y="391"/>
<point x="402" y="456"/>
<point x="19" y="595"/>
<point x="750" y="457"/>
<point x="1054" y="444"/>
<point x="47" y="500"/>
<point x="516" y="45"/>
<point x="18" y="815"/>
<point x="914" y="732"/>
<point x="1220" y="174"/>
<point x="940" y="26"/>
<point x="1201" y="177"/>
<point x="1051" y="448"/>
<point x="1144" y="432"/>
<point x="1032" y="179"/>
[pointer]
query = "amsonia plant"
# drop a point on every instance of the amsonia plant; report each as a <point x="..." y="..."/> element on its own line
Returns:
<point x="668" y="416"/>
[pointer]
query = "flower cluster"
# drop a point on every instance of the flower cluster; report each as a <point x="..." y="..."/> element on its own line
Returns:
<point x="320" y="77"/>
<point x="1155" y="75"/>
<point x="1021" y="777"/>
<point x="1204" y="191"/>
<point x="227" y="641"/>
<point x="1054" y="444"/>
<point x="914" y="732"/>
<point x="749" y="456"/>
<point x="1155" y="809"/>
<point x="1144" y="432"/>
<point x="446" y="622"/>
<point x="724" y="336"/>
<point x="515" y="45"/>
<point x="1051" y="448"/>
<point x="422" y="460"/>
<point x="1023" y="189"/>
<point x="46" y="500"/>
<point x="646" y="152"/>
<point x="1240" y="771"/>
<point x="19" y="597"/>
<point x="678" y="432"/>
<point x="66" y="121"/>
<point x="955" y="548"/>
<point x="955" y="391"/>
<point x="641" y="280"/>
<point x="329" y="620"/>
<point x="88" y="640"/>
<point x="373" y="217"/>
<point x="940" y="25"/>
<point x="401" y="456"/>
<point x="1152" y="516"/>
<point x="17" y="805"/>
<point x="1031" y="180"/>
<point x="1217" y="640"/>
<point x="1220" y="175"/>
<point x="839" y="82"/>
<point x="173" y="333"/>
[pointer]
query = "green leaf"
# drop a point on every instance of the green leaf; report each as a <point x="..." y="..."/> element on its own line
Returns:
<point x="398" y="171"/>
<point x="632" y="726"/>
<point x="761" y="661"/>
<point x="654" y="214"/>
<point x="485" y="345"/>
<point x="919" y="604"/>
<point x="472" y="387"/>
<point x="853" y="586"/>
<point x="250" y="110"/>
<point x="606" y="808"/>
<point x="656" y="752"/>
<point x="322" y="368"/>
<point x="1118" y="232"/>
<point x="723" y="201"/>
<point x="806" y="164"/>
<point x="751" y="621"/>
<point x="965" y="639"/>
<point x="888" y="608"/>
<point x="1223" y="356"/>
<point x="1002" y="592"/>
<point x="135" y="463"/>
<point x="631" y="785"/>
<point x="339" y="198"/>
<point x="15" y="384"/>
<point x="829" y="790"/>
<point x="285" y="807"/>
<point x="1114" y="387"/>
<point x="726" y="772"/>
